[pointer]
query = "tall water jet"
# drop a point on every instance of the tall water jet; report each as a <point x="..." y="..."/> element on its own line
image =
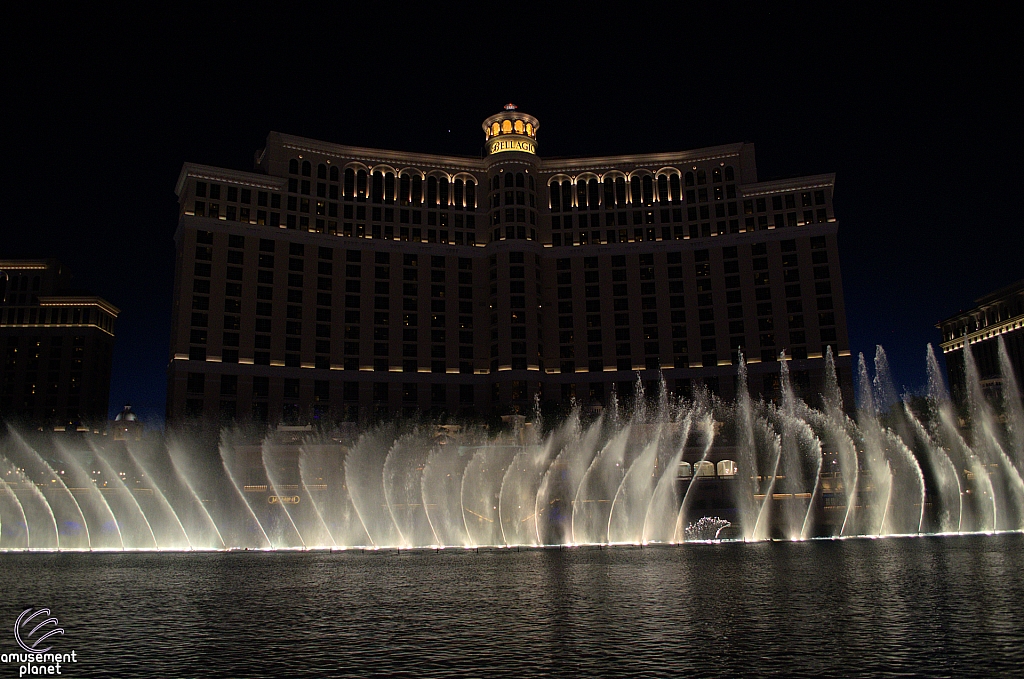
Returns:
<point x="517" y="500"/>
<point x="837" y="431"/>
<point x="1013" y="408"/>
<point x="1007" y="487"/>
<point x="629" y="505"/>
<point x="403" y="491"/>
<point x="167" y="527"/>
<point x="877" y="492"/>
<point x="773" y="445"/>
<point x="907" y="485"/>
<point x="15" y="531"/>
<point x="441" y="489"/>
<point x="72" y="528"/>
<point x="748" y="484"/>
<point x="104" y="532"/>
<point x="946" y="489"/>
<point x="364" y="466"/>
<point x="593" y="501"/>
<point x="798" y="447"/>
<point x="480" y="492"/>
<point x="563" y="478"/>
<point x="322" y="474"/>
<point x="135" y="529"/>
<point x="660" y="518"/>
<point x="706" y="428"/>
<point x="281" y="520"/>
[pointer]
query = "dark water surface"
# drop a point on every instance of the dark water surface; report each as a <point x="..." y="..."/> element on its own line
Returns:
<point x="949" y="606"/>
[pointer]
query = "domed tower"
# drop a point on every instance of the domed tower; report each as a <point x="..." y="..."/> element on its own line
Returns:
<point x="512" y="214"/>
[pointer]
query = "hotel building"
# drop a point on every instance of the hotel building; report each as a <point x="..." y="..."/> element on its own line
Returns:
<point x="343" y="283"/>
<point x="997" y="314"/>
<point x="57" y="346"/>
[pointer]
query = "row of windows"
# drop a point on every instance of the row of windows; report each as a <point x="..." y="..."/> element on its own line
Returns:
<point x="587" y="193"/>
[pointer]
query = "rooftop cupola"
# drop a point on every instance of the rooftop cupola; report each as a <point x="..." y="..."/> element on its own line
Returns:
<point x="511" y="130"/>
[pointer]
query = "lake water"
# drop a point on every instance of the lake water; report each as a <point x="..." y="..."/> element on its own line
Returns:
<point x="929" y="606"/>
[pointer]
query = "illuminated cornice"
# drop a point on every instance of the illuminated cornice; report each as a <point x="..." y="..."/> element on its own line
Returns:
<point x="988" y="332"/>
<point x="218" y="174"/>
<point x="374" y="156"/>
<point x="79" y="300"/>
<point x="22" y="265"/>
<point x="657" y="160"/>
<point x="818" y="181"/>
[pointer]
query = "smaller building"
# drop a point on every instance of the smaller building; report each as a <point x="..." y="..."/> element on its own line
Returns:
<point x="998" y="314"/>
<point x="126" y="425"/>
<point x="57" y="346"/>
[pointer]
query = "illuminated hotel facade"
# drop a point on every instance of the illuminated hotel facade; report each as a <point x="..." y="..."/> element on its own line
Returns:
<point x="57" y="348"/>
<point x="343" y="283"/>
<point x="998" y="315"/>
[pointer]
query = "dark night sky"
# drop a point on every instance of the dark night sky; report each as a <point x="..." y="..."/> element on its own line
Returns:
<point x="913" y="112"/>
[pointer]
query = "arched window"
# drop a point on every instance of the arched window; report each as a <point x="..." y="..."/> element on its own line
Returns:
<point x="334" y="173"/>
<point x="389" y="188"/>
<point x="689" y="179"/>
<point x="609" y="192"/>
<point x="307" y="168"/>
<point x="581" y="194"/>
<point x="506" y="126"/>
<point x="470" y="195"/>
<point x="361" y="184"/>
<point x="417" y="190"/>
<point x="716" y="175"/>
<point x="595" y="194"/>
<point x="519" y="127"/>
<point x="702" y="177"/>
<point x="377" y="188"/>
<point x="442" y="192"/>
<point x="634" y="190"/>
<point x="567" y="195"/>
<point x="730" y="175"/>
<point x="677" y="192"/>
<point x="520" y="180"/>
<point x="648" y="190"/>
<point x="457" y="194"/>
<point x="403" y="189"/>
<point x="495" y="128"/>
<point x="432" y="191"/>
<point x="350" y="182"/>
<point x="663" y="196"/>
<point x="293" y="166"/>
<point x="321" y="171"/>
<point x="620" y="191"/>
<point x="509" y="179"/>
<point x="555" y="193"/>
<point x="529" y="129"/>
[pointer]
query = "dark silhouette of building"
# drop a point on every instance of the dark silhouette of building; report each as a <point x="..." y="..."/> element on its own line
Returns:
<point x="57" y="345"/>
<point x="341" y="282"/>
<point x="997" y="314"/>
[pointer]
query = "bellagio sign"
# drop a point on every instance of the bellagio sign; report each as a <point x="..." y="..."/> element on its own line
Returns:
<point x="512" y="143"/>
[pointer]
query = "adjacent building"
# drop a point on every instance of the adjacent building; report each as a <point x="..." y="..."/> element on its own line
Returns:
<point x="999" y="314"/>
<point x="346" y="283"/>
<point x="57" y="346"/>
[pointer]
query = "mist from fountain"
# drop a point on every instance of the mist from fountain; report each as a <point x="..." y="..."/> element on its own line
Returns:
<point x="640" y="474"/>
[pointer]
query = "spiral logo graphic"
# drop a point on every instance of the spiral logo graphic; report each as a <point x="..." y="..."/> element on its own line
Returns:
<point x="23" y="621"/>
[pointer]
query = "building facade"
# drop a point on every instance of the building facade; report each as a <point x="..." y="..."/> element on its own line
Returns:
<point x="999" y="314"/>
<point x="57" y="344"/>
<point x="345" y="283"/>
